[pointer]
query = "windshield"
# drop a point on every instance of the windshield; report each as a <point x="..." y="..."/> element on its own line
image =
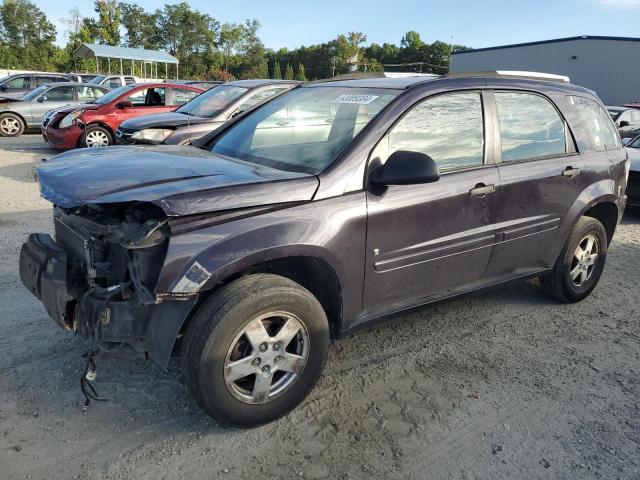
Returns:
<point x="303" y="130"/>
<point x="213" y="101"/>
<point x="35" y="93"/>
<point x="635" y="143"/>
<point x="97" y="79"/>
<point x="113" y="94"/>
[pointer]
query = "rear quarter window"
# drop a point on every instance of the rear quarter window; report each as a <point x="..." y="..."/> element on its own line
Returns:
<point x="597" y="122"/>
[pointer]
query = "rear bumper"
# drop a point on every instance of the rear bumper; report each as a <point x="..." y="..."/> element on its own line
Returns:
<point x="62" y="138"/>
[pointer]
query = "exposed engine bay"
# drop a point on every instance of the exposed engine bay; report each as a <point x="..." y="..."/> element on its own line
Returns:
<point x="97" y="277"/>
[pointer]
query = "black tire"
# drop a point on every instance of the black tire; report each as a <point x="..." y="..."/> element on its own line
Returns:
<point x="215" y="327"/>
<point x="96" y="131"/>
<point x="11" y="125"/>
<point x="558" y="282"/>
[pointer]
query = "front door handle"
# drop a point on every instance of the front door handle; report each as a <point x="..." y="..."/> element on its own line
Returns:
<point x="570" y="172"/>
<point x="482" y="190"/>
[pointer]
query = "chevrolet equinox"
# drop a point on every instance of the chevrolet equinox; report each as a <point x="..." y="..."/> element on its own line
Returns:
<point x="336" y="204"/>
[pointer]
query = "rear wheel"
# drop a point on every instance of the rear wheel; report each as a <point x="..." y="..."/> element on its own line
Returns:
<point x="11" y="125"/>
<point x="96" y="136"/>
<point x="255" y="349"/>
<point x="580" y="264"/>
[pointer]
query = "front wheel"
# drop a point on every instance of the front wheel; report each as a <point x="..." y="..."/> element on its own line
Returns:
<point x="255" y="349"/>
<point x="11" y="125"/>
<point x="96" y="136"/>
<point x="579" y="266"/>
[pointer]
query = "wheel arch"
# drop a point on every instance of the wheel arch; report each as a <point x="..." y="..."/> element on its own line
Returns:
<point x="606" y="212"/>
<point x="21" y="117"/>
<point x="96" y="123"/>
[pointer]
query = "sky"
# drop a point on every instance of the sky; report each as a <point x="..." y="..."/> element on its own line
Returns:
<point x="288" y="23"/>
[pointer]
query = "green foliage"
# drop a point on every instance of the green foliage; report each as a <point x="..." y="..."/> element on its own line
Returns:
<point x="205" y="47"/>
<point x="288" y="73"/>
<point x="108" y="23"/>
<point x="301" y="75"/>
<point x="277" y="73"/>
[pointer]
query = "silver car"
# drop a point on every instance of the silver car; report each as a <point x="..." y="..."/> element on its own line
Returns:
<point x="28" y="111"/>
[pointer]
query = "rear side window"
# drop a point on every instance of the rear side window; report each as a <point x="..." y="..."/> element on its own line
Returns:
<point x="598" y="124"/>
<point x="129" y="80"/>
<point x="530" y="127"/>
<point x="448" y="128"/>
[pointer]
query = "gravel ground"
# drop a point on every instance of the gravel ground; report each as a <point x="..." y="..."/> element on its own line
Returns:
<point x="508" y="385"/>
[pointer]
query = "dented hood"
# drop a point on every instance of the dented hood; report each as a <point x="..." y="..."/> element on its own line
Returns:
<point x="180" y="180"/>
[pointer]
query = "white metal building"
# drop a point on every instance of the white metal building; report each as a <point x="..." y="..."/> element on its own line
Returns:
<point x="608" y="65"/>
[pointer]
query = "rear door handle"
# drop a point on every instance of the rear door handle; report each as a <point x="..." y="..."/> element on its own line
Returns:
<point x="570" y="172"/>
<point x="482" y="190"/>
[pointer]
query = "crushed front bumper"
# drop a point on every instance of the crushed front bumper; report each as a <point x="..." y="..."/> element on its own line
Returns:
<point x="43" y="270"/>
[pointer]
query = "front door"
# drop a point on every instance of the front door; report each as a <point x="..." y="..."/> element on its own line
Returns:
<point x="146" y="101"/>
<point x="53" y="98"/>
<point x="428" y="241"/>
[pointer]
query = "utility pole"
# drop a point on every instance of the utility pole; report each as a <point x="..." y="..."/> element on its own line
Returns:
<point x="333" y="66"/>
<point x="450" y="52"/>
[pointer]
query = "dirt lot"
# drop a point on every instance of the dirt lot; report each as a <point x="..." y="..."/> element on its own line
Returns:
<point x="504" y="385"/>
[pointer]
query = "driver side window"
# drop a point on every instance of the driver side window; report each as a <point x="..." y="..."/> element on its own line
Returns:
<point x="59" y="94"/>
<point x="448" y="127"/>
<point x="148" y="97"/>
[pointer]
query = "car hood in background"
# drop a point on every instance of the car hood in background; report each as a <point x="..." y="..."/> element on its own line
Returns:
<point x="180" y="180"/>
<point x="157" y="120"/>
<point x="634" y="158"/>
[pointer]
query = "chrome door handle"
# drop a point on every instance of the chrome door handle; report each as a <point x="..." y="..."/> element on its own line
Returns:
<point x="482" y="190"/>
<point x="570" y="172"/>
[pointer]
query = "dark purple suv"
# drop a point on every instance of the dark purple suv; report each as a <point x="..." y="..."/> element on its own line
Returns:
<point x="335" y="204"/>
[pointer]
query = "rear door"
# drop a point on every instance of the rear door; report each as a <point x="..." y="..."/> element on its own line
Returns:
<point x="429" y="240"/>
<point x="541" y="176"/>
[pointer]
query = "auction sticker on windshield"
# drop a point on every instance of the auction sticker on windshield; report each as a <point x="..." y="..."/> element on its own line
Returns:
<point x="356" y="99"/>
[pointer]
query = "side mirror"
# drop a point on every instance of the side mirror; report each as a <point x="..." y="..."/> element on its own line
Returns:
<point x="624" y="123"/>
<point x="405" y="168"/>
<point x="4" y="88"/>
<point x="41" y="99"/>
<point x="124" y="104"/>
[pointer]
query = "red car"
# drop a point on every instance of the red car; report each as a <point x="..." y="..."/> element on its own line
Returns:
<point x="93" y="124"/>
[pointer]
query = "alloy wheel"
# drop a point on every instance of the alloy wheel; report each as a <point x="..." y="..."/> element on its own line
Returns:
<point x="9" y="126"/>
<point x="96" y="138"/>
<point x="585" y="258"/>
<point x="266" y="357"/>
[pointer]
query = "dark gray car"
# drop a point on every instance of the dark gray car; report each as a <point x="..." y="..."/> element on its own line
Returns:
<point x="28" y="111"/>
<point x="201" y="115"/>
<point x="320" y="212"/>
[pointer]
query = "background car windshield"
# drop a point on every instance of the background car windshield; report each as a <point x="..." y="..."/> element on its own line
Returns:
<point x="113" y="94"/>
<point x="212" y="102"/>
<point x="303" y="130"/>
<point x="635" y="143"/>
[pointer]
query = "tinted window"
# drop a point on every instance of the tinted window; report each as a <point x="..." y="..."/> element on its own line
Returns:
<point x="114" y="82"/>
<point x="16" y="84"/>
<point x="604" y="135"/>
<point x="448" y="128"/>
<point x="530" y="127"/>
<point x="42" y="80"/>
<point x="302" y="130"/>
<point x="60" y="94"/>
<point x="182" y="96"/>
<point x="129" y="80"/>
<point x="148" y="97"/>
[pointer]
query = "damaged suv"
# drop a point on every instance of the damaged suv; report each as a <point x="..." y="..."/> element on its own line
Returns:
<point x="336" y="204"/>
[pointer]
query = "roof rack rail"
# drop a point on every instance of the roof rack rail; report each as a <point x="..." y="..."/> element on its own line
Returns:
<point x="549" y="77"/>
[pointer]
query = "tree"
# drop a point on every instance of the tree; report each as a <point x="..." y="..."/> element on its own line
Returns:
<point x="27" y="36"/>
<point x="277" y="73"/>
<point x="229" y="42"/>
<point x="301" y="75"/>
<point x="140" y="27"/>
<point x="108" y="23"/>
<point x="288" y="73"/>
